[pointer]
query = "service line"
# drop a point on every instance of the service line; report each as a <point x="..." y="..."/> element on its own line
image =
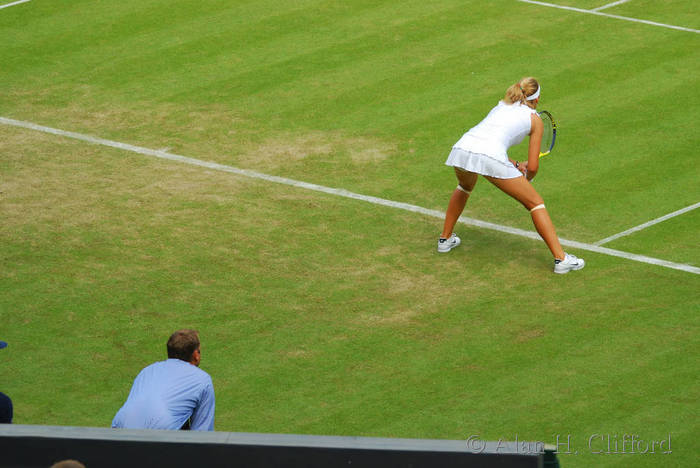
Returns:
<point x="648" y="223"/>
<point x="620" y="2"/>
<point x="598" y="13"/>
<point x="341" y="193"/>
<point x="7" y="5"/>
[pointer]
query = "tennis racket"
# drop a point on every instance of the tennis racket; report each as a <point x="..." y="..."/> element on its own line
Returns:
<point x="549" y="135"/>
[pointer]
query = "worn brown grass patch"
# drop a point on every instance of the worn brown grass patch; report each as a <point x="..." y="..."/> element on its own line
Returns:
<point x="283" y="149"/>
<point x="55" y="182"/>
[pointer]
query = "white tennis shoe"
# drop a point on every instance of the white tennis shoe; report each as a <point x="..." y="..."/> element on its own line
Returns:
<point x="570" y="262"/>
<point x="445" y="245"/>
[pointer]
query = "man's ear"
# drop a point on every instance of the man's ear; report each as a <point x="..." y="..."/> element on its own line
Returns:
<point x="196" y="357"/>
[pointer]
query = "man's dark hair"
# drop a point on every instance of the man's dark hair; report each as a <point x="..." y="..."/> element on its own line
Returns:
<point x="182" y="344"/>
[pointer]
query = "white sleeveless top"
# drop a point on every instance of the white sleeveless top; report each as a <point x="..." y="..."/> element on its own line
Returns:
<point x="506" y="125"/>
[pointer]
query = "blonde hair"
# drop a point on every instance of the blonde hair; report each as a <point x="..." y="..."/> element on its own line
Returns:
<point x="521" y="90"/>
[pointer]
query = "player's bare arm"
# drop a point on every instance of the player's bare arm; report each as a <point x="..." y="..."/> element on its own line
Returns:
<point x="533" y="153"/>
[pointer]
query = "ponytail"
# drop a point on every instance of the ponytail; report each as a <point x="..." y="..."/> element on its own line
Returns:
<point x="515" y="94"/>
<point x="520" y="91"/>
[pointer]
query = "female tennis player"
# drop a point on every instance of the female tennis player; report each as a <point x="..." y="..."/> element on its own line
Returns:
<point x="483" y="151"/>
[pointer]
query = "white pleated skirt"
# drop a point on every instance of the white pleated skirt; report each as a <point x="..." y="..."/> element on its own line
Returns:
<point x="482" y="164"/>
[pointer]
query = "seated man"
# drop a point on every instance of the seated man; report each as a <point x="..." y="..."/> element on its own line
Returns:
<point x="5" y="409"/>
<point x="5" y="401"/>
<point x="171" y="394"/>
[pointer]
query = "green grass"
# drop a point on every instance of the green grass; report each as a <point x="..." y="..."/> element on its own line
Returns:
<point x="323" y="315"/>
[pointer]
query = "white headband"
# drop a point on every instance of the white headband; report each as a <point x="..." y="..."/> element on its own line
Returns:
<point x="535" y="95"/>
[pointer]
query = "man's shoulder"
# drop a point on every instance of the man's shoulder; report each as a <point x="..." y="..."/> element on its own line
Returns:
<point x="186" y="368"/>
<point x="176" y="368"/>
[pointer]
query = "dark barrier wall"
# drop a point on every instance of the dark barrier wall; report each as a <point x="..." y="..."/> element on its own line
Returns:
<point x="41" y="446"/>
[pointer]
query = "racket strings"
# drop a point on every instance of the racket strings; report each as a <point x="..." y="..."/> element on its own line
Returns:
<point x="547" y="135"/>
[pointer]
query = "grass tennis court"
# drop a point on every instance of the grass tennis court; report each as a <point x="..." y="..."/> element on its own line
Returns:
<point x="325" y="315"/>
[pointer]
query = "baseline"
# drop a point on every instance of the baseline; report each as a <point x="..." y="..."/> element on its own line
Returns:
<point x="341" y="193"/>
<point x="607" y="15"/>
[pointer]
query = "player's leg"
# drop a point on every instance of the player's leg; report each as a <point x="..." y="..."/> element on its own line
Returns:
<point x="520" y="189"/>
<point x="458" y="200"/>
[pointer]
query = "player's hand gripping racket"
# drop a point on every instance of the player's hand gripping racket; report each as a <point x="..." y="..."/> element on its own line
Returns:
<point x="549" y="135"/>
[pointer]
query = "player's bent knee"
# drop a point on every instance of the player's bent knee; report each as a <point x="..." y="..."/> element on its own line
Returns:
<point x="462" y="189"/>
<point x="538" y="207"/>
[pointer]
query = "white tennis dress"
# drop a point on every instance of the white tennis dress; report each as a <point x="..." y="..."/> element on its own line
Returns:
<point x="483" y="149"/>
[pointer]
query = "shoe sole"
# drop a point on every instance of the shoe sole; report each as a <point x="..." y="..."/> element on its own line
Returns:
<point x="450" y="248"/>
<point x="572" y="268"/>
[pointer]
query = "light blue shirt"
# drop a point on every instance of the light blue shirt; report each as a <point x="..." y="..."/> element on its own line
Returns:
<point x="165" y="395"/>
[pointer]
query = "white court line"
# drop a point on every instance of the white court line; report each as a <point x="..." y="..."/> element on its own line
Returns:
<point x="13" y="4"/>
<point x="342" y="193"/>
<point x="625" y="18"/>
<point x="647" y="224"/>
<point x="620" y="2"/>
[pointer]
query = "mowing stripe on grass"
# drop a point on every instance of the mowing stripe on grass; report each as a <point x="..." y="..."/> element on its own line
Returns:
<point x="648" y="223"/>
<point x="625" y="18"/>
<point x="342" y="193"/>
<point x="13" y="4"/>
<point x="620" y="2"/>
